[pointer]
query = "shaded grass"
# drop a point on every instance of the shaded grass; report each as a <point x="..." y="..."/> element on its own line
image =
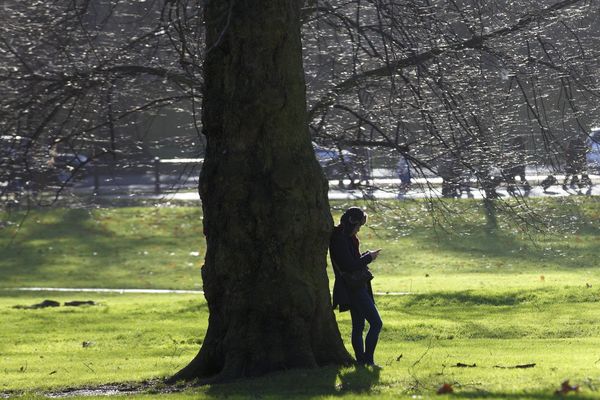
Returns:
<point x="125" y="247"/>
<point x="164" y="247"/>
<point x="420" y="256"/>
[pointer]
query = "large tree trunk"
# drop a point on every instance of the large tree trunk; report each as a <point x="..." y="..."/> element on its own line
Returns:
<point x="264" y="197"/>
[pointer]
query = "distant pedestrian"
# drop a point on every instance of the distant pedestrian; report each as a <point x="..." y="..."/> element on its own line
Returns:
<point x="352" y="288"/>
<point x="575" y="163"/>
<point x="515" y="165"/>
<point x="548" y="181"/>
<point x="404" y="174"/>
<point x="448" y="169"/>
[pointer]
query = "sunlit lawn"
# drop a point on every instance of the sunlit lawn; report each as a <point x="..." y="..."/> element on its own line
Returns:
<point x="136" y="337"/>
<point x="493" y="299"/>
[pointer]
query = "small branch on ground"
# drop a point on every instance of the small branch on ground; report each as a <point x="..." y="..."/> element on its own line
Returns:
<point x="521" y="366"/>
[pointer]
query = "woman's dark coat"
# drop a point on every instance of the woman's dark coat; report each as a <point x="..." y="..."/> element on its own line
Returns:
<point x="345" y="256"/>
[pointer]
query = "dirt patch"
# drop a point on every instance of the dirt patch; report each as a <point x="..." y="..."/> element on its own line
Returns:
<point x="111" y="389"/>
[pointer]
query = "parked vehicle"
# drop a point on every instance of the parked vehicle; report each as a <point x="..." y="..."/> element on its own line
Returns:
<point x="68" y="164"/>
<point x="341" y="164"/>
<point x="24" y="166"/>
<point x="593" y="151"/>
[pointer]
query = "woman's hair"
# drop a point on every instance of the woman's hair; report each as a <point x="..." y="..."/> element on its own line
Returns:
<point x="352" y="218"/>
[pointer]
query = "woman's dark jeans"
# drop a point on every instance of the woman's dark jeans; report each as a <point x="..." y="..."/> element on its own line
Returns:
<point x="362" y="307"/>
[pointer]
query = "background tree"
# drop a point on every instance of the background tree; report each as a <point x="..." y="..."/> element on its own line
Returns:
<point x="451" y="75"/>
<point x="84" y="77"/>
<point x="458" y="82"/>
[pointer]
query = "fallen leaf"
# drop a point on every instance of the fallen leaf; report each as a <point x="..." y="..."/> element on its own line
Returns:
<point x="522" y="366"/>
<point x="445" y="388"/>
<point x="566" y="387"/>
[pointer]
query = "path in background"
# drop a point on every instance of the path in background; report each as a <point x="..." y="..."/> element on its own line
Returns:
<point x="417" y="191"/>
<point x="384" y="184"/>
<point x="142" y="291"/>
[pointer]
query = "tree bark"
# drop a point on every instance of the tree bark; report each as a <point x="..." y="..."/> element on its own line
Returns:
<point x="264" y="197"/>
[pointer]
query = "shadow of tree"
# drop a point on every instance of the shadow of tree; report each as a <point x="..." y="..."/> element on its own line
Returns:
<point x="358" y="380"/>
<point x="25" y="255"/>
<point x="575" y="251"/>
<point x="325" y="381"/>
<point x="465" y="298"/>
<point x="73" y="247"/>
<point x="328" y="381"/>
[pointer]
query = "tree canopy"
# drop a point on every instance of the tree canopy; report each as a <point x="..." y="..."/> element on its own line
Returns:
<point x="431" y="80"/>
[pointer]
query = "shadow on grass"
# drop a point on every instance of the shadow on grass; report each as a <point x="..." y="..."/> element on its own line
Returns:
<point x="35" y="244"/>
<point x="499" y="298"/>
<point x="567" y="239"/>
<point x="569" y="251"/>
<point x="73" y="246"/>
<point x="326" y="381"/>
<point x="471" y="298"/>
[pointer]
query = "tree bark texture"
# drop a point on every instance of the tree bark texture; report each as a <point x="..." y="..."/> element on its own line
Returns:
<point x="264" y="197"/>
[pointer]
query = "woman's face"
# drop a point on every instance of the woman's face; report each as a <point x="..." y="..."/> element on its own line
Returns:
<point x="355" y="231"/>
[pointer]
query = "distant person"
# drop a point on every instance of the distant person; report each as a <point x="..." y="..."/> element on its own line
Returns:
<point x="548" y="181"/>
<point x="404" y="174"/>
<point x="448" y="169"/>
<point x="515" y="167"/>
<point x="355" y="295"/>
<point x="489" y="183"/>
<point x="576" y="164"/>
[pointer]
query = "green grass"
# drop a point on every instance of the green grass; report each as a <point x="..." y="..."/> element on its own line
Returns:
<point x="490" y="298"/>
<point x="130" y="338"/>
<point x="422" y="254"/>
<point x="154" y="247"/>
<point x="136" y="337"/>
<point x="122" y="247"/>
